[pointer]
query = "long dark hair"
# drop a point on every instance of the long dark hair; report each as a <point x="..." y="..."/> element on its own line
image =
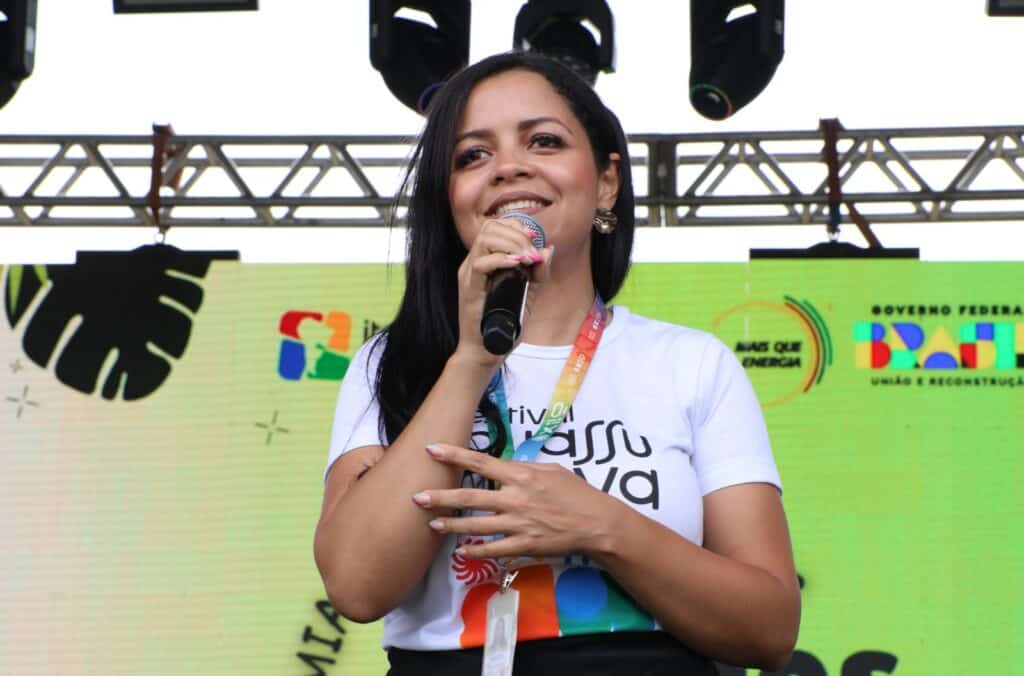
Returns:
<point x="424" y="333"/>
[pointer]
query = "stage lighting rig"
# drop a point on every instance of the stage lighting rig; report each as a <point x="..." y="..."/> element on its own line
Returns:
<point x="1006" y="7"/>
<point x="17" y="45"/>
<point x="414" y="57"/>
<point x="735" y="47"/>
<point x="561" y="29"/>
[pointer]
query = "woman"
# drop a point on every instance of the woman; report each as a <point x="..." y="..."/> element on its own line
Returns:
<point x="647" y="533"/>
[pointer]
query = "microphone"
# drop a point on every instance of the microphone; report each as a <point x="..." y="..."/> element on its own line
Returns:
<point x="506" y="297"/>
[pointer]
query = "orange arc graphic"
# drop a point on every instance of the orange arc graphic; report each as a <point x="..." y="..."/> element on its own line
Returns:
<point x="812" y="338"/>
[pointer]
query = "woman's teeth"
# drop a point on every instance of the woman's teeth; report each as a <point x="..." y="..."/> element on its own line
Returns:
<point x="516" y="206"/>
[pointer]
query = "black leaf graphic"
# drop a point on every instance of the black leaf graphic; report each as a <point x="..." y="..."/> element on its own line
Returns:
<point x="118" y="298"/>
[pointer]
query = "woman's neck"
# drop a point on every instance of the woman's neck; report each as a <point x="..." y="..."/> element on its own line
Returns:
<point x="558" y="309"/>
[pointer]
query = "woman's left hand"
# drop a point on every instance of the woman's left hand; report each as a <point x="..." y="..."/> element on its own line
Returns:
<point x="541" y="509"/>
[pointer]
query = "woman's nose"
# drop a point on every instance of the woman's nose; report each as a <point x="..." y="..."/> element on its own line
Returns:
<point x="511" y="164"/>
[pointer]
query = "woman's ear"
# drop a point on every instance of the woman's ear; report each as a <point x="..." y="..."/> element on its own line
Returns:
<point x="608" y="182"/>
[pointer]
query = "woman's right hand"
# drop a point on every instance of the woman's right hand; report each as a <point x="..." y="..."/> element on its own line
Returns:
<point x="501" y="243"/>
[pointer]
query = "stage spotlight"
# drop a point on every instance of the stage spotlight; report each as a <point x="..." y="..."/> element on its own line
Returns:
<point x="565" y="31"/>
<point x="416" y="57"/>
<point x="735" y="47"/>
<point x="17" y="45"/>
<point x="1006" y="7"/>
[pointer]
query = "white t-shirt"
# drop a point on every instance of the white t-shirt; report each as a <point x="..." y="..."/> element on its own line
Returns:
<point x="665" y="415"/>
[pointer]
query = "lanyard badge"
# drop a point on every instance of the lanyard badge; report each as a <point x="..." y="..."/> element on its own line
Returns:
<point x="502" y="629"/>
<point x="503" y="607"/>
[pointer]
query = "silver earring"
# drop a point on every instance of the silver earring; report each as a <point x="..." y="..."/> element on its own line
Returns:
<point x="605" y="221"/>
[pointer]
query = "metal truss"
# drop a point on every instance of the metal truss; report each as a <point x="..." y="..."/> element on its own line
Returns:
<point x="768" y="178"/>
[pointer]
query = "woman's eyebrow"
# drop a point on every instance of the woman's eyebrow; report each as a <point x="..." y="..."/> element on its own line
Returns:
<point x="534" y="121"/>
<point x="522" y="126"/>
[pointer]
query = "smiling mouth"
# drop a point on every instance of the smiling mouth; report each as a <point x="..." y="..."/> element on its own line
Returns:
<point x="517" y="205"/>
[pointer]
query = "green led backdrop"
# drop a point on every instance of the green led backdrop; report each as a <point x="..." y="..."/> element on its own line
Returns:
<point x="163" y="431"/>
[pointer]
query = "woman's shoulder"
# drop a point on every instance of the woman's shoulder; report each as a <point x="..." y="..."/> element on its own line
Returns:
<point x="367" y="356"/>
<point x="373" y="344"/>
<point x="656" y="341"/>
<point x="648" y="330"/>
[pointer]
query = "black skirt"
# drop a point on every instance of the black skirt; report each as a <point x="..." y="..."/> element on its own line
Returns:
<point x="629" y="653"/>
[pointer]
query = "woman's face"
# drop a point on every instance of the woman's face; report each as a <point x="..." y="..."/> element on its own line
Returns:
<point x="519" y="147"/>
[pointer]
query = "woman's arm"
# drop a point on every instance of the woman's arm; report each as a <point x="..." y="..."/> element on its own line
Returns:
<point x="736" y="599"/>
<point x="371" y="545"/>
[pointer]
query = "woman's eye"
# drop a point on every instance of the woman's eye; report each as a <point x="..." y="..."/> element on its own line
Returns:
<point x="468" y="156"/>
<point x="546" y="141"/>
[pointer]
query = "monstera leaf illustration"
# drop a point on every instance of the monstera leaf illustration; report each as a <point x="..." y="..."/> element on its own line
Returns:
<point x="128" y="308"/>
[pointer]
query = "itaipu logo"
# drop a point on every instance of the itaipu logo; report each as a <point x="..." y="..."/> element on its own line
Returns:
<point x="785" y="347"/>
<point x="317" y="345"/>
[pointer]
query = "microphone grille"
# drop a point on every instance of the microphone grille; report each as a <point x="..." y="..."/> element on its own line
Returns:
<point x="539" y="239"/>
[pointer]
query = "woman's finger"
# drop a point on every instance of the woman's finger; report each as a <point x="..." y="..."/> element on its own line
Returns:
<point x="486" y="265"/>
<point x="503" y="471"/>
<point x="497" y="524"/>
<point x="512" y="547"/>
<point x="541" y="272"/>
<point x="460" y="498"/>
<point x="504" y="235"/>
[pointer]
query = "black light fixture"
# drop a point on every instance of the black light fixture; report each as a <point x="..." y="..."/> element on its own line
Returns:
<point x="564" y="30"/>
<point x="17" y="45"/>
<point x="836" y="250"/>
<point x="1006" y="7"/>
<point x="735" y="47"/>
<point x="415" y="57"/>
<point x="145" y="6"/>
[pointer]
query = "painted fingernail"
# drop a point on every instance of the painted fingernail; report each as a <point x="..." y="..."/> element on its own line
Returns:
<point x="435" y="450"/>
<point x="436" y="524"/>
<point x="421" y="499"/>
<point x="536" y="258"/>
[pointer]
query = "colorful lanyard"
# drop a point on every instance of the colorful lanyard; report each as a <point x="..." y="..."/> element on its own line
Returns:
<point x="565" y="391"/>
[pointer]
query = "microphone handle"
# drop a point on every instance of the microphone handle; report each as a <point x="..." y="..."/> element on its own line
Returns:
<point x="503" y="309"/>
